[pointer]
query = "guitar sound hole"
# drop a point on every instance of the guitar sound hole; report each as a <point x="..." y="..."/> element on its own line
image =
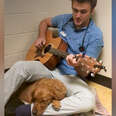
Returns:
<point x="47" y="48"/>
<point x="37" y="60"/>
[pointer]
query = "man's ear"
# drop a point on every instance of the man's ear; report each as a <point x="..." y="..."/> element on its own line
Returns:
<point x="92" y="12"/>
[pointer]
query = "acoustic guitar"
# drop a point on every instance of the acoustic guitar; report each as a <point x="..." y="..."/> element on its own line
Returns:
<point x="55" y="49"/>
<point x="45" y="57"/>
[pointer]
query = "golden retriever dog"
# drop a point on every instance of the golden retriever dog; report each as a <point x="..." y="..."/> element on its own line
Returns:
<point x="42" y="93"/>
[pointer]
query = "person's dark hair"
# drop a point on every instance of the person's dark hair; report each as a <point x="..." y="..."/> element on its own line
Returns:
<point x="92" y="2"/>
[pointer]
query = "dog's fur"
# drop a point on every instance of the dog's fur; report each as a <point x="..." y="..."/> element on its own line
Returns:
<point x="42" y="93"/>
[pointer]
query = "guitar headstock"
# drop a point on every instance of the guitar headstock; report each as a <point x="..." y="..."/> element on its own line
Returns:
<point x="88" y="65"/>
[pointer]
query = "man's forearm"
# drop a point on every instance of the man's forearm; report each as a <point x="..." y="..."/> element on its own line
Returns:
<point x="44" y="24"/>
<point x="42" y="29"/>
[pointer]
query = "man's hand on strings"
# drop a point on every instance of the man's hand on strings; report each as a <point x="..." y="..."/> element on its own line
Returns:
<point x="40" y="42"/>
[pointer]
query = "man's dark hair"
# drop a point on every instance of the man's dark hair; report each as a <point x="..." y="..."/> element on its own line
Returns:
<point x="92" y="2"/>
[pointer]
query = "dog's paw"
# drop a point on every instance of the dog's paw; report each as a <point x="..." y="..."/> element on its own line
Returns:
<point x="34" y="112"/>
<point x="56" y="105"/>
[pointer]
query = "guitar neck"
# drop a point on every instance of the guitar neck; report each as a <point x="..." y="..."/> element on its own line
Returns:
<point x="58" y="53"/>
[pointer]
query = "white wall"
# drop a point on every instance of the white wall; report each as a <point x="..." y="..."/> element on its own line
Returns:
<point x="1" y="60"/>
<point x="1" y="40"/>
<point x="103" y="20"/>
<point x="23" y="16"/>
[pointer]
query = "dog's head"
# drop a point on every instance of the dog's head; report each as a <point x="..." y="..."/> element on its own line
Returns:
<point x="58" y="90"/>
<point x="42" y="98"/>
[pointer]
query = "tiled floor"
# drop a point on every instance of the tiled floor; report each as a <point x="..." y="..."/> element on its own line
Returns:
<point x="104" y="94"/>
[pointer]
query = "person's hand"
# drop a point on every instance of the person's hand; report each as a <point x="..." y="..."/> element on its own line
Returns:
<point x="40" y="42"/>
<point x="72" y="59"/>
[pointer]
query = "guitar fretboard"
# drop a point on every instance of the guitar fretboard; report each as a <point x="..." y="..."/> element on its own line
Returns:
<point x="58" y="53"/>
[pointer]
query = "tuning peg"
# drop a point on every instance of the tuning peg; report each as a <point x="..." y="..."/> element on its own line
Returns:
<point x="103" y="67"/>
<point x="87" y="71"/>
<point x="82" y="64"/>
<point x="92" y="75"/>
<point x="101" y="62"/>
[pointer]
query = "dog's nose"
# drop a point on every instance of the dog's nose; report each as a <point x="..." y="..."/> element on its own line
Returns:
<point x="34" y="112"/>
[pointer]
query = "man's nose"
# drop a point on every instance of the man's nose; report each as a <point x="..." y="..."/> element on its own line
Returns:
<point x="78" y="15"/>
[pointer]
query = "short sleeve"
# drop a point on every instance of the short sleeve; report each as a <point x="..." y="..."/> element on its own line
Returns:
<point x="95" y="46"/>
<point x="60" y="20"/>
<point x="57" y="20"/>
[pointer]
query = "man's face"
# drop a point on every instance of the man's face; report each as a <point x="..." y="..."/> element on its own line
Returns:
<point x="81" y="13"/>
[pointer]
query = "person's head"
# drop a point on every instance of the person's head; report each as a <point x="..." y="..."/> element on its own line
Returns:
<point x="82" y="11"/>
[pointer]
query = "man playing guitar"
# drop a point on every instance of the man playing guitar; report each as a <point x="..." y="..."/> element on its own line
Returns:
<point x="82" y="36"/>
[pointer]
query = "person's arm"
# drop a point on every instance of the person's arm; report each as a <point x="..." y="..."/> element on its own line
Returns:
<point x="93" y="49"/>
<point x="43" y="26"/>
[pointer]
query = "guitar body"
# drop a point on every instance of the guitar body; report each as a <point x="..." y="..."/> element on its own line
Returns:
<point x="48" y="59"/>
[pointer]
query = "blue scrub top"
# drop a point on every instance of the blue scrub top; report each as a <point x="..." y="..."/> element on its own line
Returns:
<point x="93" y="41"/>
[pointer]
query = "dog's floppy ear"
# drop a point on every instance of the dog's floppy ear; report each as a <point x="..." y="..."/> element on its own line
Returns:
<point x="33" y="95"/>
<point x="26" y="94"/>
<point x="30" y="96"/>
<point x="42" y="94"/>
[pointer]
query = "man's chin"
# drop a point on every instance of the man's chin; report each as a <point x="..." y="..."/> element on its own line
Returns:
<point x="78" y="26"/>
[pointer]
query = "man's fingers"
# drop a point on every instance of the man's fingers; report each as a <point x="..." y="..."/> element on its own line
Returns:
<point x="39" y="44"/>
<point x="71" y="60"/>
<point x="43" y="43"/>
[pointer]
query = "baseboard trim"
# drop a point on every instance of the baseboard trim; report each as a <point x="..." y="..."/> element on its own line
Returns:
<point x="102" y="80"/>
